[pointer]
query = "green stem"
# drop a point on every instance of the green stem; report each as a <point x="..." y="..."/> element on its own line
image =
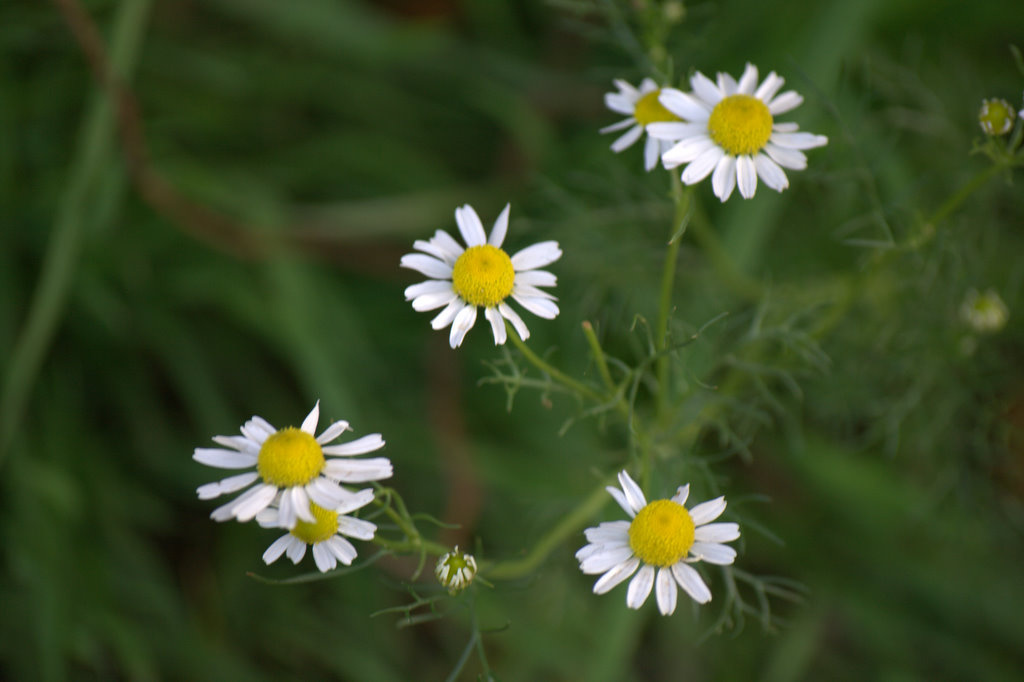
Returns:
<point x="599" y="359"/>
<point x="555" y="374"/>
<point x="668" y="275"/>
<point x="967" y="190"/>
<point x="571" y="523"/>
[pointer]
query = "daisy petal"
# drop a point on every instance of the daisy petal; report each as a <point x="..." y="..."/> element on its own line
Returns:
<point x="665" y="591"/>
<point x="342" y="549"/>
<point x="634" y="495"/>
<point x="369" y="443"/>
<point x="224" y="459"/>
<point x="626" y="141"/>
<point x="746" y="176"/>
<point x="605" y="559"/>
<point x="691" y="581"/>
<point x="608" y="532"/>
<point x="771" y="84"/>
<point x="324" y="558"/>
<point x="620" y="498"/>
<point x="713" y="553"/>
<point x="717" y="532"/>
<point x="704" y="88"/>
<point x="541" y="307"/>
<point x="640" y="587"/>
<point x="687" y="150"/>
<point x="723" y="180"/>
<point x="431" y="286"/>
<point x="701" y="167"/>
<point x="227" y="485"/>
<point x="434" y="301"/>
<point x="682" y="494"/>
<point x="787" y="101"/>
<point x="356" y="528"/>
<point x="684" y="106"/>
<point x="359" y="470"/>
<point x="463" y="322"/>
<point x="707" y="511"/>
<point x="536" y="278"/>
<point x="652" y="150"/>
<point x="787" y="158"/>
<point x="332" y="432"/>
<point x="799" y="140"/>
<point x="295" y="550"/>
<point x="311" y="420"/>
<point x="500" y="227"/>
<point x="674" y="130"/>
<point x="470" y="227"/>
<point x="621" y="125"/>
<point x="770" y="173"/>
<point x="427" y="265"/>
<point x="536" y="256"/>
<point x="252" y="501"/>
<point x="748" y="81"/>
<point x="275" y="550"/>
<point x="451" y="311"/>
<point x="517" y="322"/>
<point x="497" y="325"/>
<point x="616" y="575"/>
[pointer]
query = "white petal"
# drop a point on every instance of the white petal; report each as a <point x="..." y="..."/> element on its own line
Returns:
<point x="227" y="485"/>
<point x="285" y="516"/>
<point x="675" y="130"/>
<point x="300" y="501"/>
<point x="451" y="311"/>
<point x="275" y="550"/>
<point x="536" y="278"/>
<point x="691" y="581"/>
<point x="434" y="301"/>
<point x="447" y="243"/>
<point x="240" y="443"/>
<point x="356" y="528"/>
<point x="497" y="325"/>
<point x="620" y="498"/>
<point x="634" y="495"/>
<point x="470" y="227"/>
<point x="342" y="549"/>
<point x="332" y="432"/>
<point x="652" y="150"/>
<point x="627" y="139"/>
<point x="517" y="322"/>
<point x="746" y="176"/>
<point x="500" y="227"/>
<point x="260" y="428"/>
<point x="687" y="150"/>
<point x="427" y="265"/>
<point x="295" y="550"/>
<point x="588" y="551"/>
<point x="463" y="322"/>
<point x="707" y="511"/>
<point x="615" y="575"/>
<point x="748" y="81"/>
<point x="723" y="180"/>
<point x="311" y="420"/>
<point x="684" y="106"/>
<point x="647" y="85"/>
<point x="431" y="286"/>
<point x="785" y="127"/>
<point x="682" y="493"/>
<point x="604" y="559"/>
<point x="619" y="104"/>
<point x="704" y="88"/>
<point x="359" y="470"/>
<point x="787" y="101"/>
<point x="251" y="502"/>
<point x="324" y="557"/>
<point x="640" y="587"/>
<point x="787" y="158"/>
<point x="608" y="532"/>
<point x="701" y="167"/>
<point x="541" y="307"/>
<point x="770" y="173"/>
<point x="713" y="553"/>
<point x="798" y="140"/>
<point x="224" y="459"/>
<point x="536" y="256"/>
<point x="268" y="518"/>
<point x="717" y="532"/>
<point x="326" y="493"/>
<point x="432" y="248"/>
<point x="665" y="591"/>
<point x="369" y="443"/>
<point x="356" y="500"/>
<point x="768" y="88"/>
<point x="726" y="83"/>
<point x="624" y="123"/>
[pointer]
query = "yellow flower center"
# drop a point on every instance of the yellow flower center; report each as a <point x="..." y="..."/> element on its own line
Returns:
<point x="324" y="528"/>
<point x="290" y="457"/>
<point x="483" y="275"/>
<point x="661" y="533"/>
<point x="740" y="124"/>
<point x="649" y="110"/>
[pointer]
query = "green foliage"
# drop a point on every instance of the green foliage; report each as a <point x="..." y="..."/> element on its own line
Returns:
<point x="817" y="370"/>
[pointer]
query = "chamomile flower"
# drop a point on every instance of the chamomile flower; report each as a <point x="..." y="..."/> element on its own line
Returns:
<point x="481" y="275"/>
<point x="291" y="468"/>
<point x="641" y="108"/>
<point x="730" y="132"/>
<point x="996" y="116"/>
<point x="455" y="570"/>
<point x="324" y="533"/>
<point x="984" y="312"/>
<point x="662" y="540"/>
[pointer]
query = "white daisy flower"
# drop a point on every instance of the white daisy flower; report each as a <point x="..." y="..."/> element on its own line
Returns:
<point x="662" y="540"/>
<point x="996" y="116"/>
<point x="290" y="469"/>
<point x="324" y="534"/>
<point x="481" y="275"/>
<point x="455" y="570"/>
<point x="641" y="107"/>
<point x="730" y="133"/>
<point x="984" y="312"/>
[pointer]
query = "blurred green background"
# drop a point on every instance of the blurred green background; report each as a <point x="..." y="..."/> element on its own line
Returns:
<point x="869" y="442"/>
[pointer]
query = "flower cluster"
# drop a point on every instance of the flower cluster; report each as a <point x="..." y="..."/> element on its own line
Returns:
<point x="723" y="128"/>
<point x="294" y="482"/>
